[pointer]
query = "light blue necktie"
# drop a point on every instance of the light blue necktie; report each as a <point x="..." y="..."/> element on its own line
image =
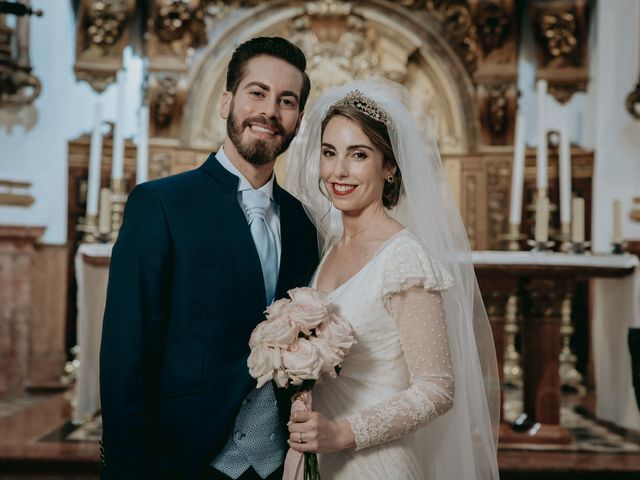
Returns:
<point x="256" y="203"/>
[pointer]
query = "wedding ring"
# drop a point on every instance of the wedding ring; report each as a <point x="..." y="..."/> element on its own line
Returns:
<point x="299" y="437"/>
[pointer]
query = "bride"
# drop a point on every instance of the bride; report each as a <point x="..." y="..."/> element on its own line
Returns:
<point x="417" y="397"/>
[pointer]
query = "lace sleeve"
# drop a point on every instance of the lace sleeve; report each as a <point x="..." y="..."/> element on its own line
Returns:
<point x="420" y="319"/>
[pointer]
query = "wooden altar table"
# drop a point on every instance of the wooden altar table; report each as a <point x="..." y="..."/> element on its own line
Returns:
<point x="543" y="281"/>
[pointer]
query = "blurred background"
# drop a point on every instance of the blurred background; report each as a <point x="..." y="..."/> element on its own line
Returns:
<point x="536" y="108"/>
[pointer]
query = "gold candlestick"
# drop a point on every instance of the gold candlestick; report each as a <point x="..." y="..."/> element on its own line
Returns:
<point x="569" y="375"/>
<point x="89" y="227"/>
<point x="513" y="237"/>
<point x="564" y="238"/>
<point x="511" y="366"/>
<point x="118" y="200"/>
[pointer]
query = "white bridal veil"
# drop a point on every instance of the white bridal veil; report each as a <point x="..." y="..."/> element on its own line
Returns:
<point x="461" y="444"/>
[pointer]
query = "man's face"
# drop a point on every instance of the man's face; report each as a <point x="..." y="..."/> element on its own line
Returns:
<point x="263" y="115"/>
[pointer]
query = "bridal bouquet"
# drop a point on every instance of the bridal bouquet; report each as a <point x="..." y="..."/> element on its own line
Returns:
<point x="301" y="338"/>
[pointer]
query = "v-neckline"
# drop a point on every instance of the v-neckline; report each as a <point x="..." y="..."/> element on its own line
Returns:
<point x="362" y="269"/>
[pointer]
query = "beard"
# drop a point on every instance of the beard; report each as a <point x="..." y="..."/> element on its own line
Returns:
<point x="255" y="151"/>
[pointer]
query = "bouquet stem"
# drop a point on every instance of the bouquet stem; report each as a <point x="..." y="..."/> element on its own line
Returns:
<point x="311" y="470"/>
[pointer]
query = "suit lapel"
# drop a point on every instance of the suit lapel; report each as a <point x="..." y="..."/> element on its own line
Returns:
<point x="243" y="242"/>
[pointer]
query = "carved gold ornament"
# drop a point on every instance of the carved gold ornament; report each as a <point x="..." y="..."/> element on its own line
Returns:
<point x="105" y="21"/>
<point x="494" y="26"/>
<point x="559" y="30"/>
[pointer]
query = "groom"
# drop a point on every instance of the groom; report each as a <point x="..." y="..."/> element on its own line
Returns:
<point x="199" y="257"/>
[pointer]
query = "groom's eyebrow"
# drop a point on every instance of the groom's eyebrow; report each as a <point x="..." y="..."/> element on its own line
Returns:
<point x="263" y="86"/>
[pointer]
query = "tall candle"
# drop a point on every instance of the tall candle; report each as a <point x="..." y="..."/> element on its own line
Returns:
<point x="142" y="158"/>
<point x="117" y="165"/>
<point x="565" y="170"/>
<point x="542" y="219"/>
<point x="541" y="157"/>
<point x="95" y="161"/>
<point x="104" y="219"/>
<point x="517" y="174"/>
<point x="577" y="223"/>
<point x="617" y="222"/>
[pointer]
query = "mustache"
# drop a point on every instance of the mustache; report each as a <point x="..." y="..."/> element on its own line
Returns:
<point x="264" y="122"/>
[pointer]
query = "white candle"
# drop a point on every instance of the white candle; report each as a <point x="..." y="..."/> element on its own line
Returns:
<point x="617" y="222"/>
<point x="517" y="174"/>
<point x="104" y="219"/>
<point x="542" y="219"/>
<point x="541" y="157"/>
<point x="565" y="170"/>
<point x="142" y="158"/>
<point x="95" y="161"/>
<point x="117" y="166"/>
<point x="577" y="223"/>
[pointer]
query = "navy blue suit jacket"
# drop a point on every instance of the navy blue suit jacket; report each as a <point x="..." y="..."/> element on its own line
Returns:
<point x="185" y="292"/>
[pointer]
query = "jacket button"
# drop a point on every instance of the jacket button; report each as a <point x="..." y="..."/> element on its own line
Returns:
<point x="239" y="436"/>
<point x="272" y="437"/>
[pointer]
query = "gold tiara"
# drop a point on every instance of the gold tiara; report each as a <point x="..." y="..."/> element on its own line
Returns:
<point x="356" y="99"/>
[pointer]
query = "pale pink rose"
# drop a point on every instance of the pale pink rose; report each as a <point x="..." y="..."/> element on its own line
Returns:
<point x="308" y="308"/>
<point x="302" y="361"/>
<point x="338" y="334"/>
<point x="278" y="308"/>
<point x="277" y="332"/>
<point x="308" y="295"/>
<point x="328" y="358"/>
<point x="260" y="363"/>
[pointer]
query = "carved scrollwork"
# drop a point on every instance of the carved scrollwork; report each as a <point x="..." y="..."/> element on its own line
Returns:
<point x="559" y="29"/>
<point x="498" y="176"/>
<point x="561" y="34"/>
<point x="633" y="102"/>
<point x="173" y="20"/>
<point x="18" y="86"/>
<point x="493" y="26"/>
<point x="101" y="36"/>
<point x="339" y="50"/>
<point x="105" y="21"/>
<point x="498" y="109"/>
<point x="159" y="164"/>
<point x="471" y="209"/>
<point x="164" y="105"/>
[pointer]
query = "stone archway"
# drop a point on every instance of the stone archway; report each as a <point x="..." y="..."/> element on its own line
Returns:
<point x="343" y="41"/>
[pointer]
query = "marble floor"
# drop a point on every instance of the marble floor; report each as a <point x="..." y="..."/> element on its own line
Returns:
<point x="32" y="447"/>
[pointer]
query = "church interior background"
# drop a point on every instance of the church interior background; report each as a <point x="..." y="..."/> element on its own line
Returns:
<point x="536" y="108"/>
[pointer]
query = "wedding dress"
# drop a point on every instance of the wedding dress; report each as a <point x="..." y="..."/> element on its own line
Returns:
<point x="423" y="399"/>
<point x="398" y="376"/>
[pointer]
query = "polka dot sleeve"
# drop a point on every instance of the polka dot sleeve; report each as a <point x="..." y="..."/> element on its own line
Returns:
<point x="419" y="316"/>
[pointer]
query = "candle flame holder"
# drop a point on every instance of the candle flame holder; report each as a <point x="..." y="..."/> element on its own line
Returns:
<point x="118" y="200"/>
<point x="513" y="238"/>
<point x="579" y="248"/>
<point x="618" y="248"/>
<point x="540" y="247"/>
<point x="564" y="237"/>
<point x="89" y="227"/>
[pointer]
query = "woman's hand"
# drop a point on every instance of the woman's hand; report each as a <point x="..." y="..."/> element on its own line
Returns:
<point x="311" y="432"/>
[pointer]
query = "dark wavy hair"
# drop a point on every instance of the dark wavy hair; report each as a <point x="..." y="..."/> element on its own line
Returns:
<point x="379" y="136"/>
<point x="274" y="47"/>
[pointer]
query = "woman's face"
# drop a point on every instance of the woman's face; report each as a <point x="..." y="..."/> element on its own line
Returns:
<point x="351" y="166"/>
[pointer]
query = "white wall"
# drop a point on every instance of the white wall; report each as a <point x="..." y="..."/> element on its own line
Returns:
<point x="65" y="111"/>
<point x="616" y="136"/>
<point x="597" y="119"/>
